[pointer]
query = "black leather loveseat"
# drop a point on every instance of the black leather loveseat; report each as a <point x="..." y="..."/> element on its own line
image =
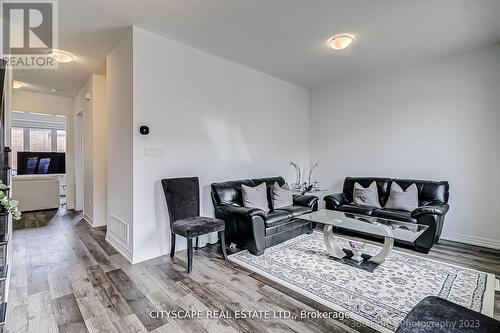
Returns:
<point x="252" y="228"/>
<point x="432" y="205"/>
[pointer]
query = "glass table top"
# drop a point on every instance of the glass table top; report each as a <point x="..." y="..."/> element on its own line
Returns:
<point x="405" y="231"/>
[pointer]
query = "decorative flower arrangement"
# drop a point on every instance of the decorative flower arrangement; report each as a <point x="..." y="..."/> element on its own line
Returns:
<point x="308" y="186"/>
<point x="9" y="204"/>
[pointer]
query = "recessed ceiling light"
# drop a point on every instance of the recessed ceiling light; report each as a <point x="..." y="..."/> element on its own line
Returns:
<point x="17" y="84"/>
<point x="341" y="41"/>
<point x="62" y="56"/>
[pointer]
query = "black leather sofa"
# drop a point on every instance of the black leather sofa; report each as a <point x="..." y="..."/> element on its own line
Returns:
<point x="252" y="228"/>
<point x="433" y="205"/>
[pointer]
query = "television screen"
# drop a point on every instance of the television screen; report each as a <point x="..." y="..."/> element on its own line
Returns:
<point x="40" y="163"/>
<point x="31" y="165"/>
<point x="43" y="165"/>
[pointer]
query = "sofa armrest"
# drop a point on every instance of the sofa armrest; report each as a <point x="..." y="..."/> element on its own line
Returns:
<point x="305" y="200"/>
<point x="336" y="200"/>
<point x="244" y="226"/>
<point x="434" y="209"/>
<point x="241" y="212"/>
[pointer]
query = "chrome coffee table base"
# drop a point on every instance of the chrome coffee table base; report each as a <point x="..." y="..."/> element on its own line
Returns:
<point x="337" y="252"/>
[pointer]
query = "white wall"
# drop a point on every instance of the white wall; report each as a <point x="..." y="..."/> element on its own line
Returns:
<point x="28" y="101"/>
<point x="213" y="119"/>
<point x="79" y="160"/>
<point x="83" y="153"/>
<point x="100" y="149"/>
<point x="120" y="143"/>
<point x="438" y="120"/>
<point x="94" y="148"/>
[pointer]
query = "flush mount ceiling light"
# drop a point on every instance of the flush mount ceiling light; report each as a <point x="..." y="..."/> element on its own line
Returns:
<point x="341" y="41"/>
<point x="62" y="56"/>
<point x="17" y="84"/>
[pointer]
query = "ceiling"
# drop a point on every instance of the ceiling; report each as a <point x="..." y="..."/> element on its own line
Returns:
<point x="283" y="38"/>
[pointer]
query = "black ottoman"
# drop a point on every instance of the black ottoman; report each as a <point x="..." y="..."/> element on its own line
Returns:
<point x="437" y="315"/>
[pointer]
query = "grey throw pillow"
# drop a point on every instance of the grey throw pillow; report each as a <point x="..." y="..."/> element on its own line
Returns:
<point x="366" y="196"/>
<point x="282" y="196"/>
<point x="255" y="197"/>
<point x="403" y="200"/>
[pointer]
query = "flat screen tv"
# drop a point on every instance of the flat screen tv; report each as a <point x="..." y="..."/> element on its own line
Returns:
<point x="38" y="163"/>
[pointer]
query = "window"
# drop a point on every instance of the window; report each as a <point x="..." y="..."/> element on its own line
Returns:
<point x="40" y="139"/>
<point x="17" y="144"/>
<point x="61" y="141"/>
<point x="37" y="132"/>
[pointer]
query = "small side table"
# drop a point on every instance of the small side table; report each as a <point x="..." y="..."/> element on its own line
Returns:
<point x="312" y="192"/>
<point x="321" y="193"/>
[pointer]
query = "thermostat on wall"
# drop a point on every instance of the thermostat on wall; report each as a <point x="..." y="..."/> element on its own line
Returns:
<point x="144" y="130"/>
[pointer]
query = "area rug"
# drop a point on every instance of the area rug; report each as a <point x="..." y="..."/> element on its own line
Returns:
<point x="380" y="299"/>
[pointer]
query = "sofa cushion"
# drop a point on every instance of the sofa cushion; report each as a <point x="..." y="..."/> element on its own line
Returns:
<point x="382" y="186"/>
<point x="393" y="214"/>
<point x="255" y="197"/>
<point x="428" y="190"/>
<point x="282" y="196"/>
<point x="269" y="181"/>
<point x="402" y="199"/>
<point x="229" y="193"/>
<point x="367" y="196"/>
<point x="277" y="217"/>
<point x="357" y="209"/>
<point x="296" y="211"/>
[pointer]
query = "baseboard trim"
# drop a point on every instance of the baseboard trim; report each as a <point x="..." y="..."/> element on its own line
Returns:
<point x="87" y="219"/>
<point x="119" y="247"/>
<point x="471" y="240"/>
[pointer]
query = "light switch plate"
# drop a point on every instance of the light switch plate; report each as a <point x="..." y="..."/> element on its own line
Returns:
<point x="154" y="152"/>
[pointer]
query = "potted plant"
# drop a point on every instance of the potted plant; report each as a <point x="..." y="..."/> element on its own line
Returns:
<point x="9" y="204"/>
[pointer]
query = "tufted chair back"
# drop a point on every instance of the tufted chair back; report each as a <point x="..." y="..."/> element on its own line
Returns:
<point x="182" y="196"/>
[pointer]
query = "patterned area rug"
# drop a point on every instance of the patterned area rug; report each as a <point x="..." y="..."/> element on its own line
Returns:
<point x="380" y="299"/>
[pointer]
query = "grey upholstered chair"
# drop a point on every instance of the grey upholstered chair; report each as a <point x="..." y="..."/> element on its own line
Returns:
<point x="183" y="203"/>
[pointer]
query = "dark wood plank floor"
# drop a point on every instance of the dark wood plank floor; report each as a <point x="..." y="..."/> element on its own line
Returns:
<point x="66" y="278"/>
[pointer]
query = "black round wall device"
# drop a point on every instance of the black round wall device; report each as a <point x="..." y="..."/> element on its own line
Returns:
<point x="144" y="130"/>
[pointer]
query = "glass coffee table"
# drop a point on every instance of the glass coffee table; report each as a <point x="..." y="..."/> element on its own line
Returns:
<point x="376" y="226"/>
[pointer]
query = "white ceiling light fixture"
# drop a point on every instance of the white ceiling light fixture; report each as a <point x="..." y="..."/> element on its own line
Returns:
<point x="62" y="56"/>
<point x="17" y="84"/>
<point x="341" y="41"/>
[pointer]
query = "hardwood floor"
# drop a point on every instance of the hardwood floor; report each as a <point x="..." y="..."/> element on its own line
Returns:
<point x="34" y="219"/>
<point x="66" y="278"/>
